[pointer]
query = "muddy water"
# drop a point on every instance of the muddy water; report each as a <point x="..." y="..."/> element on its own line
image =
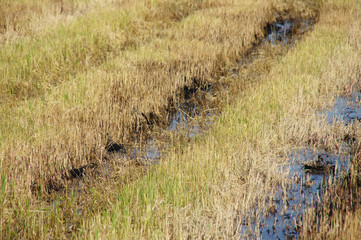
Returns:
<point x="309" y="171"/>
<point x="187" y="120"/>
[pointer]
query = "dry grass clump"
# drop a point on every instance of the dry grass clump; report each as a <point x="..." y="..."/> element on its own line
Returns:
<point x="20" y="18"/>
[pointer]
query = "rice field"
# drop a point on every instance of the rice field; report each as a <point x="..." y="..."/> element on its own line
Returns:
<point x="79" y="75"/>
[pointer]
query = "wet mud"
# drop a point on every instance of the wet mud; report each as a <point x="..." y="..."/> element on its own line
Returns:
<point x="284" y="32"/>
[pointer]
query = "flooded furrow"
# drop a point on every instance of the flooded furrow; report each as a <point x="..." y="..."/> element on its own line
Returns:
<point x="193" y="115"/>
<point x="196" y="112"/>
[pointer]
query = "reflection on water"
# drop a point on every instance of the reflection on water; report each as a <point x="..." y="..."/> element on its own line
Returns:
<point x="282" y="220"/>
<point x="282" y="31"/>
<point x="346" y="110"/>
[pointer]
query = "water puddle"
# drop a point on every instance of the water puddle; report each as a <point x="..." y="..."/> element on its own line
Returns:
<point x="282" y="31"/>
<point x="346" y="110"/>
<point x="309" y="171"/>
<point x="187" y="120"/>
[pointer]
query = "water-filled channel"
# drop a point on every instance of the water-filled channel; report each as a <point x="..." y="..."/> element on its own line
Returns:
<point x="184" y="118"/>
